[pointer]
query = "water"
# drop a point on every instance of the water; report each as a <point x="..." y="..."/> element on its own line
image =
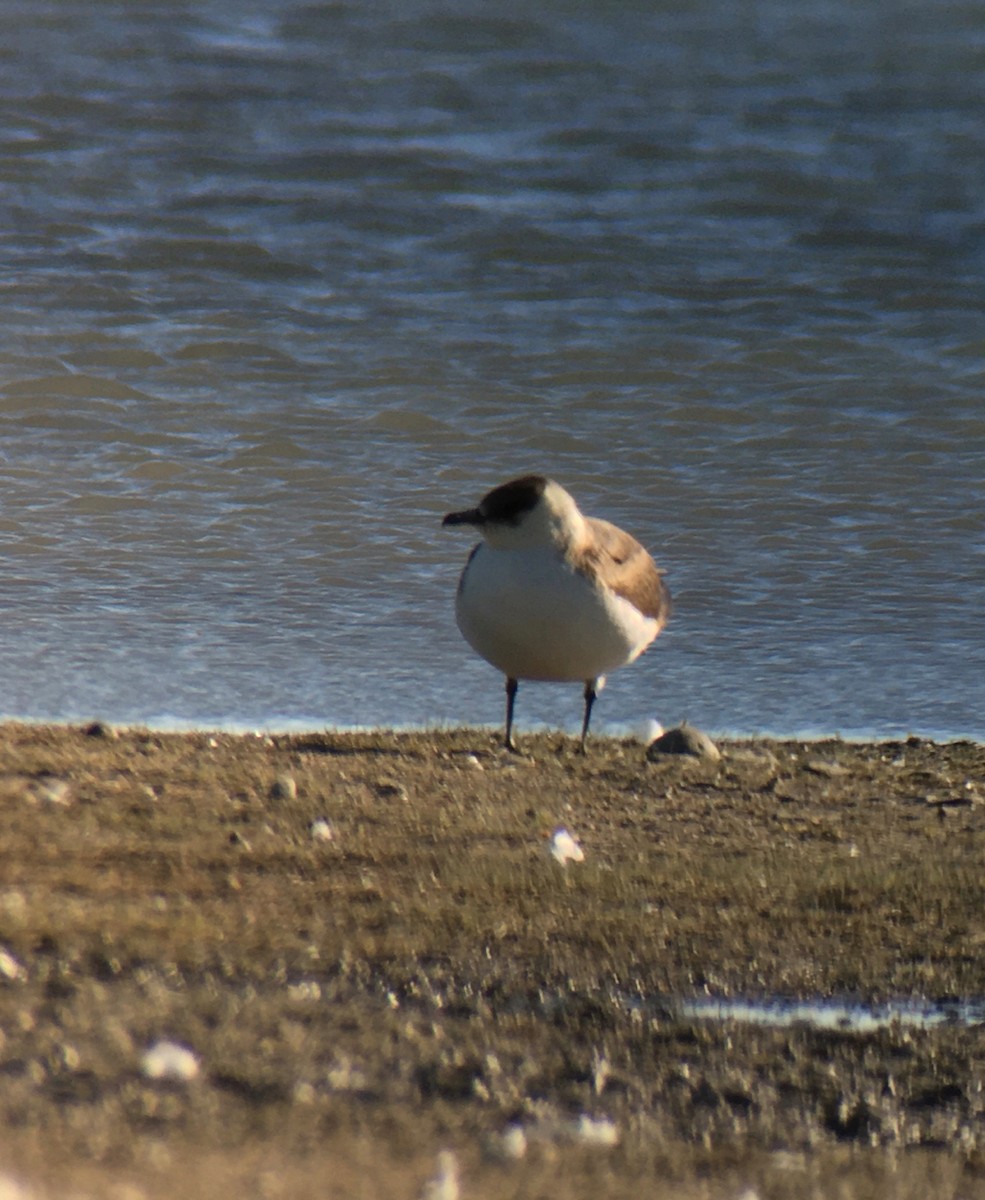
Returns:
<point x="849" y="1016"/>
<point x="282" y="283"/>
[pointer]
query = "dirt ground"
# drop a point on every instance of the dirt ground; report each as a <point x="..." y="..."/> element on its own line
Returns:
<point x="371" y="978"/>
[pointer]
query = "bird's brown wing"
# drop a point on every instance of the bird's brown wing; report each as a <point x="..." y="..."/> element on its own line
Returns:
<point x="621" y="563"/>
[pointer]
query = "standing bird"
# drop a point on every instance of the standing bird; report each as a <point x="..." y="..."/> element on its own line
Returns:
<point x="552" y="595"/>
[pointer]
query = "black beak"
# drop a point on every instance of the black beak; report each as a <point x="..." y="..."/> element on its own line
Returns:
<point x="470" y="516"/>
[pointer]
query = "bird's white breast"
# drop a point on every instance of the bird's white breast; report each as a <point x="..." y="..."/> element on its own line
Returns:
<point x="533" y="616"/>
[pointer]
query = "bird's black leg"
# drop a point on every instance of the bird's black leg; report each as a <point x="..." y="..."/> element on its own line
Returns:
<point x="511" y="686"/>
<point x="590" y="694"/>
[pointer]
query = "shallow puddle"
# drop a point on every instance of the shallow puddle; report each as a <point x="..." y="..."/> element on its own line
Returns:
<point x="842" y="1014"/>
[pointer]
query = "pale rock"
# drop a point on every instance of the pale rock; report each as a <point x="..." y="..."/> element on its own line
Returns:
<point x="445" y="1184"/>
<point x="565" y="848"/>
<point x="322" y="831"/>
<point x="169" y="1061"/>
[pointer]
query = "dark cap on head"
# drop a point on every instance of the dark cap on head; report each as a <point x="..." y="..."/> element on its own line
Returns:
<point x="505" y="504"/>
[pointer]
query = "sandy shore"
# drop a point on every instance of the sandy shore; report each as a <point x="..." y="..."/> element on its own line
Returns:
<point x="373" y="959"/>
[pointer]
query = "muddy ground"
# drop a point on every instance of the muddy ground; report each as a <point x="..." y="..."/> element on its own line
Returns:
<point x="390" y="988"/>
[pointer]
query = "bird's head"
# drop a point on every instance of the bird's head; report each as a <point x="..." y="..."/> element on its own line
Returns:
<point x="530" y="511"/>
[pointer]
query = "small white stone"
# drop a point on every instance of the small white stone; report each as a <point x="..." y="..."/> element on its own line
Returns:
<point x="565" y="848"/>
<point x="51" y="790"/>
<point x="514" y="1142"/>
<point x="169" y="1060"/>
<point x="322" y="831"/>
<point x="10" y="968"/>
<point x="647" y="731"/>
<point x="444" y="1185"/>
<point x="686" y="740"/>
<point x="304" y="992"/>
<point x="345" y="1076"/>
<point x="596" y="1131"/>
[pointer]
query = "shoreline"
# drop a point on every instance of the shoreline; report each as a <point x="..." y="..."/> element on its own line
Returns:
<point x="623" y="733"/>
<point x="368" y="948"/>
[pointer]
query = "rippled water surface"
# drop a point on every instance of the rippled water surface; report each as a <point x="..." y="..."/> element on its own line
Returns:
<point x="282" y="283"/>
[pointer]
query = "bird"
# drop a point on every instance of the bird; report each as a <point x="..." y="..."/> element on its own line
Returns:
<point x="552" y="595"/>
